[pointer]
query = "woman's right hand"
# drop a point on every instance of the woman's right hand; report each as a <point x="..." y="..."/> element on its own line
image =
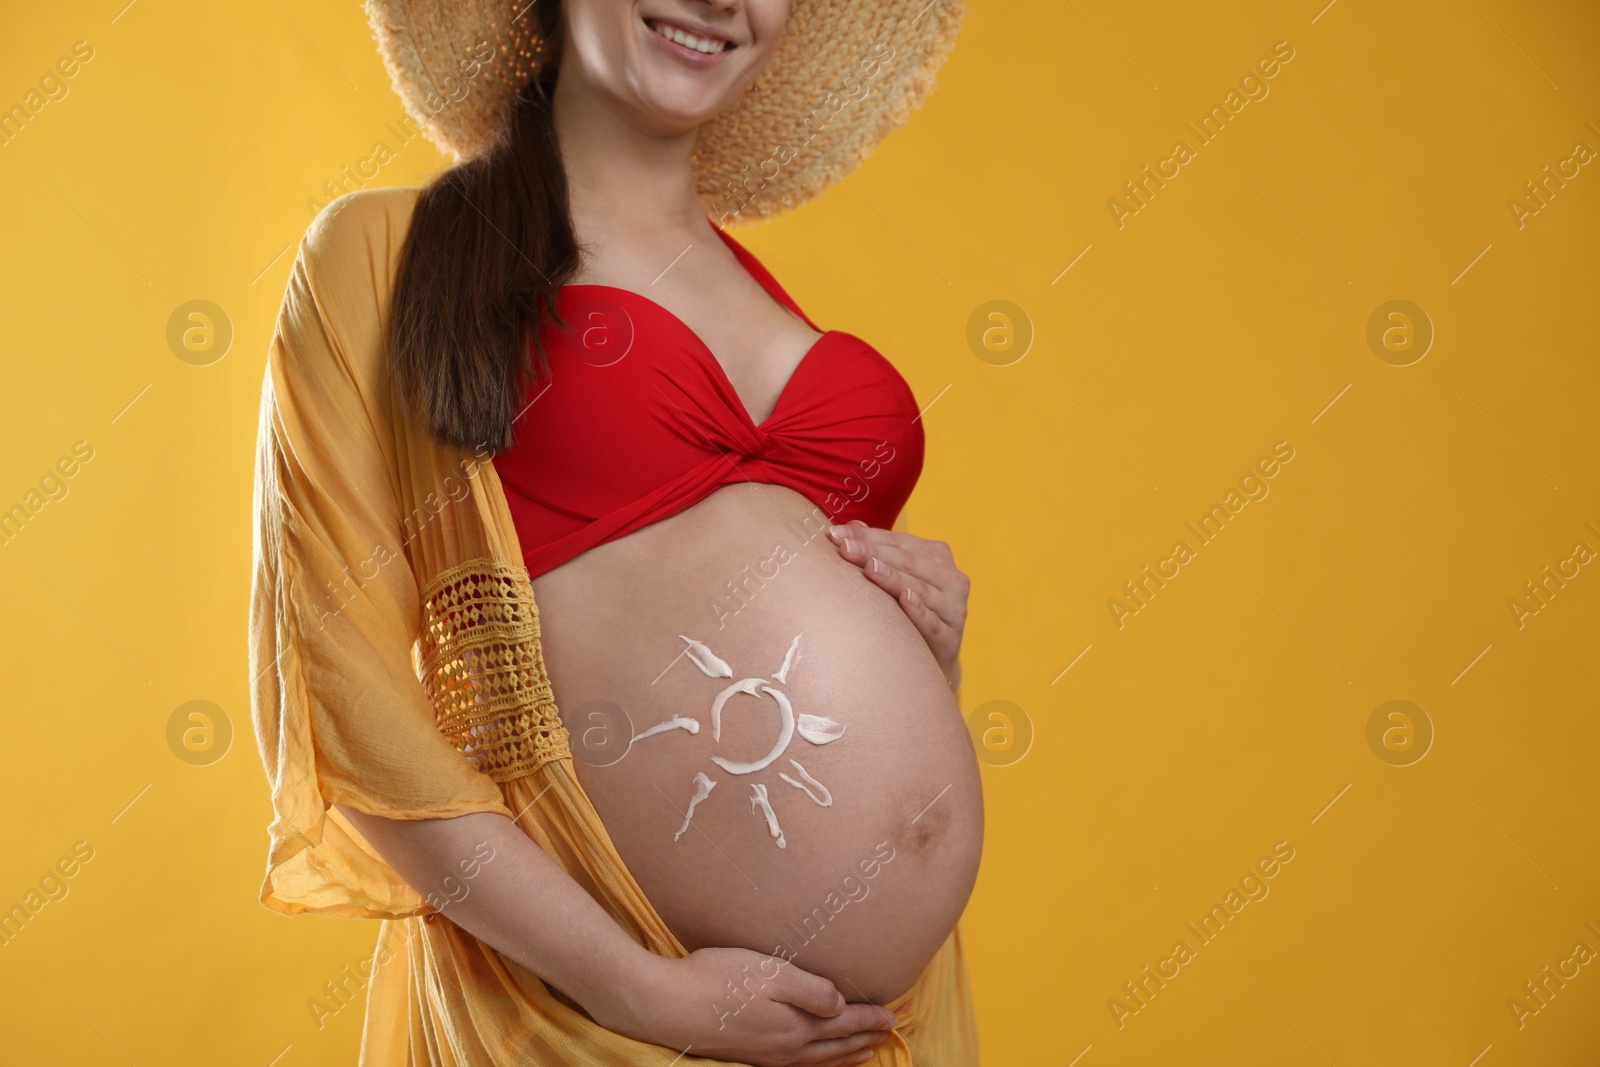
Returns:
<point x="780" y="1016"/>
<point x="734" y="1004"/>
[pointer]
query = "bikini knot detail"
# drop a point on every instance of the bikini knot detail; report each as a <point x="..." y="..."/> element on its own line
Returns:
<point x="637" y="421"/>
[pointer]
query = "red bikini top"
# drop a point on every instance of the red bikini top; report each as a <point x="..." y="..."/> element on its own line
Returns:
<point x="637" y="421"/>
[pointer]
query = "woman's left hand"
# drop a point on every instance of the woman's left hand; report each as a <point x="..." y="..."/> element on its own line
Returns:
<point x="922" y="576"/>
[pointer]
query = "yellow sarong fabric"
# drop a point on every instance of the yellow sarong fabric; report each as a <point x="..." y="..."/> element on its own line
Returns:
<point x="396" y="669"/>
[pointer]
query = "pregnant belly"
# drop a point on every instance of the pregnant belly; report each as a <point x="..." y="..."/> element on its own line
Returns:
<point x="798" y="780"/>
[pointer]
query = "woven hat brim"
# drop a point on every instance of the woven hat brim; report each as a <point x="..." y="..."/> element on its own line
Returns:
<point x="845" y="74"/>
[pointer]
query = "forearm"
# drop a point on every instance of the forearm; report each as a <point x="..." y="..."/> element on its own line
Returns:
<point x="520" y="902"/>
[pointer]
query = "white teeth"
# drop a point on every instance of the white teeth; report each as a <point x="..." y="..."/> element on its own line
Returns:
<point x="688" y="40"/>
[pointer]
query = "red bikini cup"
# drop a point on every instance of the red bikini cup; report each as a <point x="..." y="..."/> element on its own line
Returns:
<point x="637" y="421"/>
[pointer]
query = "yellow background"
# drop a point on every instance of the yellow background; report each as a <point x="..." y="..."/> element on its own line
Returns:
<point x="1227" y="315"/>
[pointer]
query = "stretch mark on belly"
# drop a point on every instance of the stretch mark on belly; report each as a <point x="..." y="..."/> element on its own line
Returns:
<point x="702" y="789"/>
<point x="812" y="788"/>
<point x="677" y="722"/>
<point x="758" y="800"/>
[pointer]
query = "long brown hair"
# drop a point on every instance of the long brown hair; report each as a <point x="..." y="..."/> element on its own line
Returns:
<point x="490" y="245"/>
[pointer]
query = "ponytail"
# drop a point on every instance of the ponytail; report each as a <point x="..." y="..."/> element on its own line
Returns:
<point x="490" y="245"/>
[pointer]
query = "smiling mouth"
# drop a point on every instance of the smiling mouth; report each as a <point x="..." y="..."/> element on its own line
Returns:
<point x="703" y="43"/>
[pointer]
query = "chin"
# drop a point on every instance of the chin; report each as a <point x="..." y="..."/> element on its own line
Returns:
<point x="679" y="88"/>
<point x="674" y="110"/>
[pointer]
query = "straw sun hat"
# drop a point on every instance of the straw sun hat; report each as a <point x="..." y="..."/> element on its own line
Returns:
<point x="845" y="74"/>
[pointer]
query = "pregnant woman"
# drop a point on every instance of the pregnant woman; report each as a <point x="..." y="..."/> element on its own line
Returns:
<point x="584" y="653"/>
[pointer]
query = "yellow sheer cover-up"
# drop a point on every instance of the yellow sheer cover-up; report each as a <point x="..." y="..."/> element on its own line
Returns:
<point x="396" y="666"/>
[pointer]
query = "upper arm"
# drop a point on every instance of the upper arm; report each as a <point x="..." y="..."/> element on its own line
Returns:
<point x="341" y="716"/>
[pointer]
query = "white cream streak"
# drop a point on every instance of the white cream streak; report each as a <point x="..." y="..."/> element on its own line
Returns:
<point x="707" y="660"/>
<point x="702" y="789"/>
<point x="819" y="731"/>
<point x="790" y="658"/>
<point x="785" y="735"/>
<point x="758" y="799"/>
<point x="677" y="722"/>
<point x="748" y="685"/>
<point x="813" y="788"/>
